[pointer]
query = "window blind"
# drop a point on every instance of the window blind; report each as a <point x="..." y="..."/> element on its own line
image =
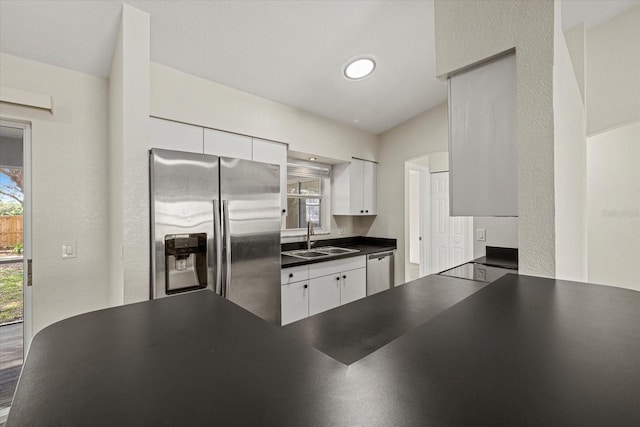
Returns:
<point x="304" y="169"/>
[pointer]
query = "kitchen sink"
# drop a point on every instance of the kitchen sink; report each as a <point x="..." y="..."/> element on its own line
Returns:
<point x="306" y="254"/>
<point x="320" y="252"/>
<point x="336" y="251"/>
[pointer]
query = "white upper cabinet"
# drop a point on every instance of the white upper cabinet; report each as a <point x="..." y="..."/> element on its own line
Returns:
<point x="275" y="153"/>
<point x="483" y="155"/>
<point x="179" y="136"/>
<point x="175" y="136"/>
<point x="354" y="187"/>
<point x="227" y="144"/>
<point x="370" y="187"/>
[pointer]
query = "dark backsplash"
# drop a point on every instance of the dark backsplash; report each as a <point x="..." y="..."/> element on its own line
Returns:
<point x="505" y="254"/>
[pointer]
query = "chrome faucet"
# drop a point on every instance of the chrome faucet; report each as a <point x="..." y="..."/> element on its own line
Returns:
<point x="310" y="233"/>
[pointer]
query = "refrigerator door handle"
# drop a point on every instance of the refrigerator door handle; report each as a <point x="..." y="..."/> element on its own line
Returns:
<point x="227" y="242"/>
<point x="218" y="246"/>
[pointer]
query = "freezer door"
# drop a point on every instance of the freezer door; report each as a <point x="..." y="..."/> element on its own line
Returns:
<point x="250" y="195"/>
<point x="184" y="193"/>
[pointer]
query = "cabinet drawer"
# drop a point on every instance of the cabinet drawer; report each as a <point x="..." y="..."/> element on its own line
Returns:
<point x="294" y="274"/>
<point x="331" y="267"/>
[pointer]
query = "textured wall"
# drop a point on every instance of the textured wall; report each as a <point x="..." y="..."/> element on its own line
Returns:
<point x="470" y="31"/>
<point x="613" y="64"/>
<point x="69" y="187"/>
<point x="129" y="160"/>
<point x="115" y="163"/>
<point x="570" y="157"/>
<point x="418" y="137"/>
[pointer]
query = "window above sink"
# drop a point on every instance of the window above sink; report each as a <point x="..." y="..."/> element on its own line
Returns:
<point x="308" y="197"/>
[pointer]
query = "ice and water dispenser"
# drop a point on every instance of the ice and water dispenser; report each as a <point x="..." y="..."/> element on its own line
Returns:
<point x="185" y="258"/>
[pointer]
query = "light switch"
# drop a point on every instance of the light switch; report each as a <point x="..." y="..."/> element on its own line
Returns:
<point x="69" y="249"/>
<point x="481" y="234"/>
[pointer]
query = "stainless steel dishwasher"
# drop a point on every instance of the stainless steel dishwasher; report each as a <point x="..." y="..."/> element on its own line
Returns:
<point x="379" y="272"/>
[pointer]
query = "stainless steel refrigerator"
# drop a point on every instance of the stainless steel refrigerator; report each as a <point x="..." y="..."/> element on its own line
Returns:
<point x="215" y="224"/>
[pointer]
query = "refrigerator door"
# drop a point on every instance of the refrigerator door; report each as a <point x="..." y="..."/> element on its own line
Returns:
<point x="250" y="197"/>
<point x="184" y="233"/>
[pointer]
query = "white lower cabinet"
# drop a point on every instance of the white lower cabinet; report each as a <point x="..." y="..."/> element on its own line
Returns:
<point x="295" y="301"/>
<point x="353" y="285"/>
<point x="312" y="289"/>
<point x="324" y="293"/>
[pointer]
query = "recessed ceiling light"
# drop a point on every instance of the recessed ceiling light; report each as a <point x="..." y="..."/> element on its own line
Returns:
<point x="359" y="68"/>
<point x="313" y="159"/>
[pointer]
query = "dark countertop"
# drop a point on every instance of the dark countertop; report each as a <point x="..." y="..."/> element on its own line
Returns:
<point x="522" y="351"/>
<point x="364" y="245"/>
<point x="350" y="332"/>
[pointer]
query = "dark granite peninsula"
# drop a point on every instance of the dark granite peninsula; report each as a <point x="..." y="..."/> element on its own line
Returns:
<point x="521" y="351"/>
<point x="350" y="332"/>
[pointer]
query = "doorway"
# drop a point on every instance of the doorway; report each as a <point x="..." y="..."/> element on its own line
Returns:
<point x="435" y="241"/>
<point x="15" y="297"/>
<point x="417" y="264"/>
<point x="451" y="236"/>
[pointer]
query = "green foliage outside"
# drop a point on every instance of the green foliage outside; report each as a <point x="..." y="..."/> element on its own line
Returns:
<point x="17" y="249"/>
<point x="11" y="292"/>
<point x="10" y="208"/>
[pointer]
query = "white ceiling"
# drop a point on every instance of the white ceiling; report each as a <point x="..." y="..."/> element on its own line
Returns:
<point x="288" y="51"/>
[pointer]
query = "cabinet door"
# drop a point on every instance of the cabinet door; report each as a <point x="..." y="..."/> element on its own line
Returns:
<point x="295" y="301"/>
<point x="175" y="136"/>
<point x="276" y="153"/>
<point x="324" y="293"/>
<point x="340" y="190"/>
<point x="370" y="186"/>
<point x="353" y="286"/>
<point x="356" y="185"/>
<point x="227" y="144"/>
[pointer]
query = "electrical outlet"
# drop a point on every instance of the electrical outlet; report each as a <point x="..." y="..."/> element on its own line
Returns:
<point x="69" y="249"/>
<point x="481" y="234"/>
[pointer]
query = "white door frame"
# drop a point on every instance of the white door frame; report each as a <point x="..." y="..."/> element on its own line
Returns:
<point x="27" y="314"/>
<point x="425" y="228"/>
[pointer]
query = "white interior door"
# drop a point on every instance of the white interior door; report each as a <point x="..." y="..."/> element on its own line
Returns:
<point x="414" y="216"/>
<point x="425" y="222"/>
<point x="451" y="243"/>
<point x="440" y="239"/>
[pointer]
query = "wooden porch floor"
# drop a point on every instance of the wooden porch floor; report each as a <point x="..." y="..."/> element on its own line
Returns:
<point x="11" y="356"/>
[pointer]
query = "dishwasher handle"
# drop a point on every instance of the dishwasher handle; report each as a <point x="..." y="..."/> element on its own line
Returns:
<point x="380" y="256"/>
